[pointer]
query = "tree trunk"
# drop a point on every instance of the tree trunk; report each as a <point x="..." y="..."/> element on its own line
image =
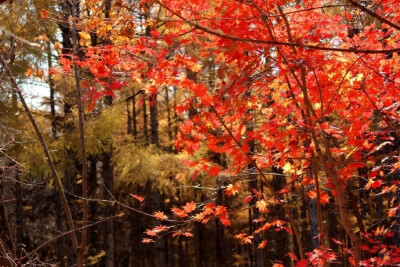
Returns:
<point x="313" y="219"/>
<point x="145" y="133"/>
<point x="109" y="225"/>
<point x="69" y="162"/>
<point x="153" y="120"/>
<point x="160" y="246"/>
<point x="51" y="86"/>
<point x="169" y="132"/>
<point x="134" y="117"/>
<point x="128" y="111"/>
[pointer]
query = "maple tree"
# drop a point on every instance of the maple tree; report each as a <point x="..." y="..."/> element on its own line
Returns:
<point x="312" y="80"/>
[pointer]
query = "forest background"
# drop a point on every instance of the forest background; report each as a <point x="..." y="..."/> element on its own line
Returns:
<point x="199" y="133"/>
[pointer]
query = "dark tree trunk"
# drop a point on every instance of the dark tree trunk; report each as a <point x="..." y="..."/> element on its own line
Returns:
<point x="129" y="126"/>
<point x="313" y="219"/>
<point x="70" y="161"/>
<point x="109" y="225"/>
<point x="134" y="117"/>
<point x="219" y="235"/>
<point x="60" y="226"/>
<point x="92" y="188"/>
<point x="64" y="26"/>
<point x="175" y="114"/>
<point x="19" y="212"/>
<point x="153" y="120"/>
<point x="160" y="245"/>
<point x="51" y="86"/>
<point x="199" y="247"/>
<point x="70" y="173"/>
<point x="169" y="130"/>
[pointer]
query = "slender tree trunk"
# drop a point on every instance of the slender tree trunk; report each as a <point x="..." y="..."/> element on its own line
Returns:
<point x="70" y="173"/>
<point x="153" y="120"/>
<point x="51" y="86"/>
<point x="19" y="212"/>
<point x="145" y="133"/>
<point x="109" y="225"/>
<point x="160" y="246"/>
<point x="134" y="117"/>
<point x="219" y="235"/>
<point x="313" y="219"/>
<point x="92" y="188"/>
<point x="60" y="226"/>
<point x="129" y="126"/>
<point x="175" y="114"/>
<point x="169" y="130"/>
<point x="199" y="235"/>
<point x="69" y="162"/>
<point x="82" y="144"/>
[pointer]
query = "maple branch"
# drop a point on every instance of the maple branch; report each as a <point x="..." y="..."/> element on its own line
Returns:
<point x="135" y="94"/>
<point x="165" y="19"/>
<point x="133" y="209"/>
<point x="48" y="242"/>
<point x="378" y="73"/>
<point x="374" y="14"/>
<point x="397" y="133"/>
<point x="319" y="90"/>
<point x="54" y="173"/>
<point x="307" y="9"/>
<point x="278" y="43"/>
<point x="303" y="84"/>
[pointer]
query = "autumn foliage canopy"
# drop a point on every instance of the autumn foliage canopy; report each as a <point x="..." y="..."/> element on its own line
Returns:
<point x="307" y="90"/>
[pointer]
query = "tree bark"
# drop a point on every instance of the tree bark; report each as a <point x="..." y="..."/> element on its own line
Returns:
<point x="145" y="133"/>
<point x="153" y="120"/>
<point x="109" y="225"/>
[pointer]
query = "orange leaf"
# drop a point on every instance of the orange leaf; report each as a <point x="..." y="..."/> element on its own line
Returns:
<point x="187" y="234"/>
<point x="147" y="240"/>
<point x="178" y="212"/>
<point x="150" y="232"/>
<point x="293" y="256"/>
<point x="324" y="198"/>
<point x="337" y="241"/>
<point x="189" y="207"/>
<point x="141" y="199"/>
<point x="44" y="13"/>
<point x="231" y="190"/>
<point x="160" y="215"/>
<point x="247" y="239"/>
<point x="247" y="199"/>
<point x="214" y="171"/>
<point x="262" y="206"/>
<point x="225" y="221"/>
<point x="263" y="244"/>
<point x="240" y="236"/>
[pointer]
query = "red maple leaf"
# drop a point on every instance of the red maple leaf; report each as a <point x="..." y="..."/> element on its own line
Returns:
<point x="189" y="207"/>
